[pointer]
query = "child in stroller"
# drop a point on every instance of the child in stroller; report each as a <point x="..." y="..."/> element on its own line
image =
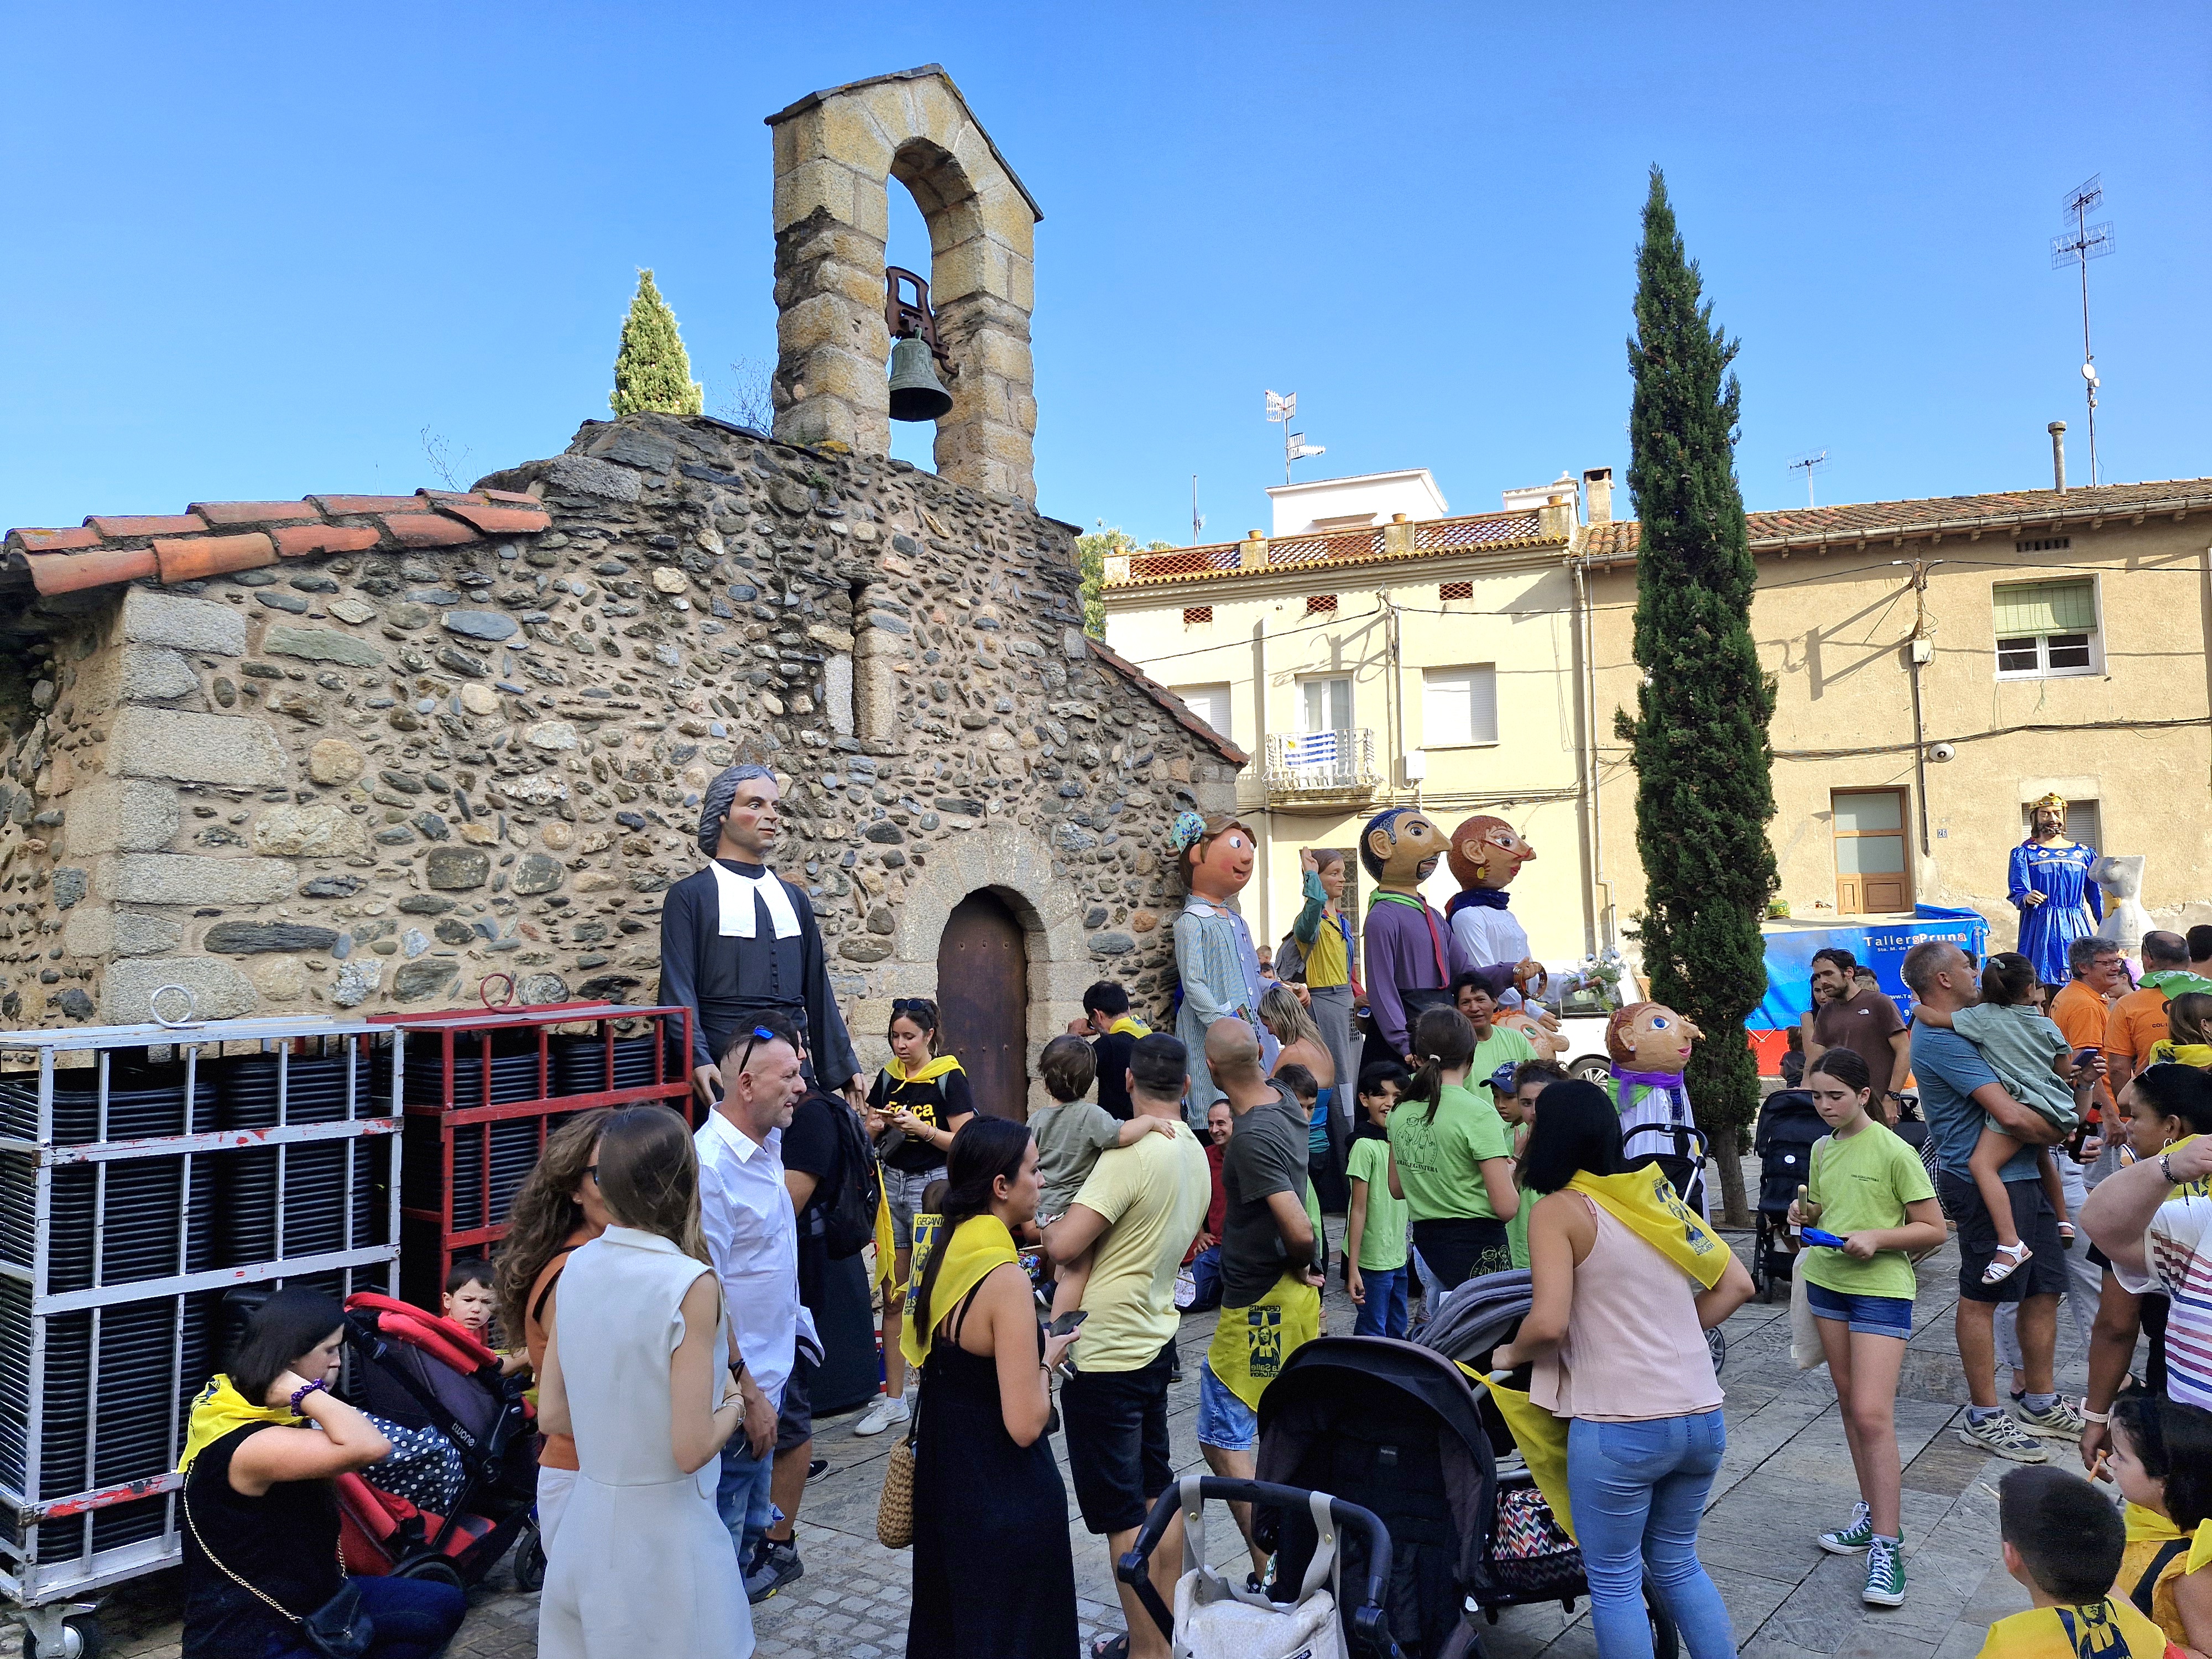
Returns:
<point x="429" y="1376"/>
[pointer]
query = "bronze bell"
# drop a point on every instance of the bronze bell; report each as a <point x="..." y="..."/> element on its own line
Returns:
<point x="916" y="392"/>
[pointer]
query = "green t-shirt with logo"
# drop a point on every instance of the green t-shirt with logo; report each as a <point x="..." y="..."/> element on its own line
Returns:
<point x="1382" y="1245"/>
<point x="1440" y="1159"/>
<point x="1500" y="1047"/>
<point x="1863" y="1183"/>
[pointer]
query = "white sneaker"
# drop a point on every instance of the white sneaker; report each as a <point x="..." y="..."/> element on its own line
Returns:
<point x="885" y="1411"/>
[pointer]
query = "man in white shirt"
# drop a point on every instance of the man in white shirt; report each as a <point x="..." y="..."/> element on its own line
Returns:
<point x="752" y="1238"/>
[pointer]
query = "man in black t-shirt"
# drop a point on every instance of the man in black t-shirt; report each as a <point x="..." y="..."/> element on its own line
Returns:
<point x="1114" y="1034"/>
<point x="811" y="1170"/>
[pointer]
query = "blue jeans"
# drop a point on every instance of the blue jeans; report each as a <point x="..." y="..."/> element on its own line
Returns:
<point x="1224" y="1422"/>
<point x="1383" y="1313"/>
<point x="1638" y="1490"/>
<point x="415" y="1619"/>
<point x="741" y="1497"/>
<point x="1205" y="1274"/>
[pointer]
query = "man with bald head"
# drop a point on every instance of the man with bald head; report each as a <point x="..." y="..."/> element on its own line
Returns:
<point x="1959" y="1092"/>
<point x="1270" y="1286"/>
<point x="739" y="942"/>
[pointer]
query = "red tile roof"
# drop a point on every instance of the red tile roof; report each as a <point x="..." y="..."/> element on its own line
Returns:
<point x="178" y="547"/>
<point x="1176" y="708"/>
<point x="2006" y="511"/>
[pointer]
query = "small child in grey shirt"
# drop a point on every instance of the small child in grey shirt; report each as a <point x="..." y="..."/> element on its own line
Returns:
<point x="1070" y="1134"/>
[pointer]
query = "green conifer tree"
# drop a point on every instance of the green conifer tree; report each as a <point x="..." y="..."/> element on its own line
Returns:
<point x="1698" y="740"/>
<point x="651" y="369"/>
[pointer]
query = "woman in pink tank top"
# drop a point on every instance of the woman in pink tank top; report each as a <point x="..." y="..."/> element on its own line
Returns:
<point x="1616" y="1337"/>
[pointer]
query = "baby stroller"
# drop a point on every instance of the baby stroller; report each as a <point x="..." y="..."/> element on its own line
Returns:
<point x="1397" y="1429"/>
<point x="419" y="1372"/>
<point x="1788" y="1124"/>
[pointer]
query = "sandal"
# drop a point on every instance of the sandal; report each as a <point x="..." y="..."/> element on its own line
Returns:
<point x="1111" y="1647"/>
<point x="2007" y="1259"/>
<point x="2066" y="1232"/>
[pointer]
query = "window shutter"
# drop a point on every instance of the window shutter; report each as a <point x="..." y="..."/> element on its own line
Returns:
<point x="2025" y="608"/>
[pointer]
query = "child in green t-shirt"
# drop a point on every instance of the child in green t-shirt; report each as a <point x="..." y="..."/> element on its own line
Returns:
<point x="1869" y="1189"/>
<point x="1516" y="1104"/>
<point x="1375" y="1242"/>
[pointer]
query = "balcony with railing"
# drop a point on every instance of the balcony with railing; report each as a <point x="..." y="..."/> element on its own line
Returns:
<point x="1321" y="769"/>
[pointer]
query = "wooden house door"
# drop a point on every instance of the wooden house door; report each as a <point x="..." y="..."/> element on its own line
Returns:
<point x="983" y="1001"/>
<point x="1874" y="866"/>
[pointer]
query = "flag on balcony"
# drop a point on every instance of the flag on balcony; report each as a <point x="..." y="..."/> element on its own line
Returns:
<point x="1318" y="749"/>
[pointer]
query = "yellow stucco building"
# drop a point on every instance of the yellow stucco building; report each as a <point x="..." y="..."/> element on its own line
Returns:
<point x="1939" y="664"/>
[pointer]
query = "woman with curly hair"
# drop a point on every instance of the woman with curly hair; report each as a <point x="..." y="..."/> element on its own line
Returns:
<point x="558" y="1210"/>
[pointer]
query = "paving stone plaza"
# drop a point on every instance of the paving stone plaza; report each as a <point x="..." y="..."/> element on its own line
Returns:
<point x="1787" y="1476"/>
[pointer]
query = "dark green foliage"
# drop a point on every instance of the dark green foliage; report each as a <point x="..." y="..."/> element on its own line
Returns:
<point x="1698" y="739"/>
<point x="652" y="372"/>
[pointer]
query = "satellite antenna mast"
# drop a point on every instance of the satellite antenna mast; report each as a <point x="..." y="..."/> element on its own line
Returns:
<point x="2078" y="244"/>
<point x="1810" y="464"/>
<point x="1197" y="517"/>
<point x="1281" y="406"/>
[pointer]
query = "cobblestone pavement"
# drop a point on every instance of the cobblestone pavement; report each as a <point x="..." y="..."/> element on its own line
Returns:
<point x="1787" y="1475"/>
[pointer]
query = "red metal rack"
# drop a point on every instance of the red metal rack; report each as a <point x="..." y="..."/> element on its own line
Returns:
<point x="482" y="1089"/>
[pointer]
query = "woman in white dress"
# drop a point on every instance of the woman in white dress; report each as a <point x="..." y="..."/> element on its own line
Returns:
<point x="635" y="1372"/>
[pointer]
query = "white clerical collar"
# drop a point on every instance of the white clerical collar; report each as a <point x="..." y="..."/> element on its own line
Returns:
<point x="737" y="893"/>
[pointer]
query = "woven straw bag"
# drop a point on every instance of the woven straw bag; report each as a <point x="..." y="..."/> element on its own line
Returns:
<point x="894" y="1509"/>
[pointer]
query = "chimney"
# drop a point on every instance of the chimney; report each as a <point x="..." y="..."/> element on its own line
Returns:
<point x="1597" y="494"/>
<point x="2057" y="430"/>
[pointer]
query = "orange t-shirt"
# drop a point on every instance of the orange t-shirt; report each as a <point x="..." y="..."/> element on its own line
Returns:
<point x="557" y="1451"/>
<point x="2138" y="1020"/>
<point x="2080" y="1016"/>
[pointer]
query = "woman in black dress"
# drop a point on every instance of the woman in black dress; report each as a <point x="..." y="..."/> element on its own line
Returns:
<point x="993" y="1575"/>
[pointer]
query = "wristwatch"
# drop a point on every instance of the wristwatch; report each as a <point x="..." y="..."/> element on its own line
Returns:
<point x="2166" y="1169"/>
<point x="302" y="1391"/>
<point x="2094" y="1417"/>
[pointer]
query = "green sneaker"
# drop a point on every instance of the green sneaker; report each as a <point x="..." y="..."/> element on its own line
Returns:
<point x="1854" y="1539"/>
<point x="1885" y="1583"/>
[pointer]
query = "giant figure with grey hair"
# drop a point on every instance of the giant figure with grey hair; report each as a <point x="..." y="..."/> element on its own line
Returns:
<point x="737" y="940"/>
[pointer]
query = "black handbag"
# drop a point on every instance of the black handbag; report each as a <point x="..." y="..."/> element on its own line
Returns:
<point x="339" y="1629"/>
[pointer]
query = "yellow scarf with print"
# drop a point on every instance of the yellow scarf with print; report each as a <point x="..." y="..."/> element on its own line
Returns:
<point x="1251" y="1345"/>
<point x="2148" y="1526"/>
<point x="2199" y="1547"/>
<point x="977" y="1245"/>
<point x="1129" y="1025"/>
<point x="2111" y="1629"/>
<point x="936" y="1068"/>
<point x="1643" y="1202"/>
<point x="2198" y="1054"/>
<point x="221" y="1408"/>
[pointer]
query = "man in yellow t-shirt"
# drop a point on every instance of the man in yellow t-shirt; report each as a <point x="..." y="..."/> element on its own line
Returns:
<point x="1141" y="1207"/>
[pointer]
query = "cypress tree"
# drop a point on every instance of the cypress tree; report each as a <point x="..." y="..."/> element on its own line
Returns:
<point x="1698" y="740"/>
<point x="652" y="370"/>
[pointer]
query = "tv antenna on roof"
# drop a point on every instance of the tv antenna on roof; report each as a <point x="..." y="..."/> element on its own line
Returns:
<point x="2077" y="244"/>
<point x="1280" y="407"/>
<point x="1811" y="464"/>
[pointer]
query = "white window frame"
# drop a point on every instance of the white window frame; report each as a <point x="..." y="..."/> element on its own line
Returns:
<point x="2041" y="669"/>
<point x="1201" y="699"/>
<point x="1434" y="683"/>
<point x="1306" y="728"/>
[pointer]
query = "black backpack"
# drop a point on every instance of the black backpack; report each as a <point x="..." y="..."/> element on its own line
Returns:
<point x="846" y="1216"/>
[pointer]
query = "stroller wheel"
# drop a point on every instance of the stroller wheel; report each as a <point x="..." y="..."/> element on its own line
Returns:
<point x="430" y="1569"/>
<point x="1666" y="1641"/>
<point x="530" y="1561"/>
<point x="1716" y="1345"/>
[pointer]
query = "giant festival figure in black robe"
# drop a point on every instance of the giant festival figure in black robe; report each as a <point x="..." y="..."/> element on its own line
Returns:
<point x="737" y="940"/>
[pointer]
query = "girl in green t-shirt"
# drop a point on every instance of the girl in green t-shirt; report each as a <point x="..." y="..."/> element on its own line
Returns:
<point x="1870" y="1188"/>
<point x="1518" y="1107"/>
<point x="1375" y="1243"/>
<point x="1451" y="1158"/>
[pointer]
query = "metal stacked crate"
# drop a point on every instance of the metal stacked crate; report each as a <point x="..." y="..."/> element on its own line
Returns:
<point x="152" y="1170"/>
<point x="482" y="1089"/>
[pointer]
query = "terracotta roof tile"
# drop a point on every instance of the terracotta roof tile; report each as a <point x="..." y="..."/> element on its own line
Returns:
<point x="2003" y="510"/>
<point x="1175" y="707"/>
<point x="58" y="541"/>
<point x="296" y="541"/>
<point x="176" y="524"/>
<point x="230" y="513"/>
<point x="71" y="573"/>
<point x="499" y="521"/>
<point x="427" y="530"/>
<point x="338" y="505"/>
<point x="192" y="558"/>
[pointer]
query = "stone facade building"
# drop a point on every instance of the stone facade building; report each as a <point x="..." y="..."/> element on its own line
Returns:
<point x="360" y="752"/>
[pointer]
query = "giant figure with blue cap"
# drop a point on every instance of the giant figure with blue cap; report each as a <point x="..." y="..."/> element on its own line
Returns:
<point x="737" y="940"/>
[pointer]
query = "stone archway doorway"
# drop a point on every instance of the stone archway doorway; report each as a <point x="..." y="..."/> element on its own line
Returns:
<point x="983" y="1001"/>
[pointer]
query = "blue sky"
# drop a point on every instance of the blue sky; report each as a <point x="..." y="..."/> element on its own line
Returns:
<point x="257" y="252"/>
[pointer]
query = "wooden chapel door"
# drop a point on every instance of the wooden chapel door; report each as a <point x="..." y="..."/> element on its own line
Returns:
<point x="983" y="1001"/>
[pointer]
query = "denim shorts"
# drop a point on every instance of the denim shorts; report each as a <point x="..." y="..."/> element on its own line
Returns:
<point x="1867" y="1316"/>
<point x="902" y="1191"/>
<point x="1224" y="1422"/>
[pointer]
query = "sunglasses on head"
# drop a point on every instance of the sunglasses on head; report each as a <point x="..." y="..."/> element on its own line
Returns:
<point x="760" y="1034"/>
<point x="912" y="1005"/>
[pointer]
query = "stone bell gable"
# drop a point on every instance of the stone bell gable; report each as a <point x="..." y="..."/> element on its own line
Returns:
<point x="356" y="752"/>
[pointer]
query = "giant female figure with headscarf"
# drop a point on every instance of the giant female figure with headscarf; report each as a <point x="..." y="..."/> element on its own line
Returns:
<point x="737" y="940"/>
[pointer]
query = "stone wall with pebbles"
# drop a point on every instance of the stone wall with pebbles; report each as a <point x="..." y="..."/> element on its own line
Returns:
<point x="370" y="779"/>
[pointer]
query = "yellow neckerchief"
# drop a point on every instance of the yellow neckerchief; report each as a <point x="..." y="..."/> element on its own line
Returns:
<point x="978" y="1244"/>
<point x="1129" y="1025"/>
<point x="221" y="1408"/>
<point x="1541" y="1437"/>
<point x="2111" y="1629"/>
<point x="935" y="1069"/>
<point x="886" y="1239"/>
<point x="2148" y="1526"/>
<point x="2198" y="1054"/>
<point x="2200" y="1187"/>
<point x="2199" y="1547"/>
<point x="1250" y="1345"/>
<point x="1643" y="1202"/>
